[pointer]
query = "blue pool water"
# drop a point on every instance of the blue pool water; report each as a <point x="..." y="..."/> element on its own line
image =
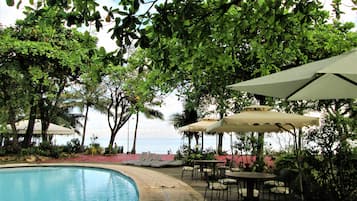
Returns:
<point x="65" y="184"/>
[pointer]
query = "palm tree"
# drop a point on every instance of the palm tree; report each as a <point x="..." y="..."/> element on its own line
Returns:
<point x="90" y="97"/>
<point x="149" y="113"/>
<point x="188" y="116"/>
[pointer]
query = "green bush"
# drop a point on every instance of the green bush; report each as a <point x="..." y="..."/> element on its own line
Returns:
<point x="94" y="149"/>
<point x="73" y="146"/>
<point x="12" y="148"/>
<point x="2" y="152"/>
<point x="45" y="146"/>
<point x="29" y="151"/>
<point x="55" y="152"/>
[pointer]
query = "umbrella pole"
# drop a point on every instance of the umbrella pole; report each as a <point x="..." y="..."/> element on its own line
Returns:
<point x="297" y="152"/>
<point x="230" y="165"/>
<point x="202" y="143"/>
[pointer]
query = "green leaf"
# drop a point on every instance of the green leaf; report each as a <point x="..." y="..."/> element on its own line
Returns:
<point x="10" y="2"/>
<point x="136" y="5"/>
<point x="18" y="4"/>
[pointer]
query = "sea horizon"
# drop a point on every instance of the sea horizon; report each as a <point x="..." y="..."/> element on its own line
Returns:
<point x="159" y="145"/>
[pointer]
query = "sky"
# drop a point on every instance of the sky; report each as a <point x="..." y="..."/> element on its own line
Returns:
<point x="148" y="129"/>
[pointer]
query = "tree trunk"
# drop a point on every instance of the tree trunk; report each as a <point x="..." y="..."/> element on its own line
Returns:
<point x="260" y="153"/>
<point x="44" y="119"/>
<point x="197" y="137"/>
<point x="260" y="143"/>
<point x="189" y="144"/>
<point x="220" y="144"/>
<point x="31" y="124"/>
<point x="1" y="139"/>
<point x="111" y="142"/>
<point x="220" y="138"/>
<point x="202" y="143"/>
<point x="133" y="150"/>
<point x="13" y="127"/>
<point x="85" y="126"/>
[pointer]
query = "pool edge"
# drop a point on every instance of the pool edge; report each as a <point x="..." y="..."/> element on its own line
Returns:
<point x="151" y="185"/>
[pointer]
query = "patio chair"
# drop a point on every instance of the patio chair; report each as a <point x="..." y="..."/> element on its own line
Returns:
<point x="280" y="188"/>
<point x="230" y="183"/>
<point x="193" y="169"/>
<point x="243" y="192"/>
<point x="217" y="187"/>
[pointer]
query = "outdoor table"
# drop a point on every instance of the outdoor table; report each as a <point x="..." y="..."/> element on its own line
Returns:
<point x="208" y="163"/>
<point x="250" y="178"/>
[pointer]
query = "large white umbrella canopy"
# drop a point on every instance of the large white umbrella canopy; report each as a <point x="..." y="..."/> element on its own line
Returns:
<point x="261" y="119"/>
<point x="53" y="129"/>
<point x="331" y="78"/>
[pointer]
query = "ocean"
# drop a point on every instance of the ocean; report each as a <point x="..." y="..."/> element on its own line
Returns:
<point x="159" y="145"/>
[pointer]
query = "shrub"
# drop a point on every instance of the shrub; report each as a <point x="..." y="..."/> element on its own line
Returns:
<point x="12" y="148"/>
<point x="94" y="149"/>
<point x="55" y="152"/>
<point x="2" y="152"/>
<point x="73" y="146"/>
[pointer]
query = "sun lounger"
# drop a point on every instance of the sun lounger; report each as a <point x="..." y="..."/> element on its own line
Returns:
<point x="143" y="157"/>
<point x="153" y="160"/>
<point x="172" y="163"/>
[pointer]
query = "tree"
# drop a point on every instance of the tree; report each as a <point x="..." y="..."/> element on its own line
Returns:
<point x="91" y="91"/>
<point x="119" y="100"/>
<point x="203" y="46"/>
<point x="146" y="93"/>
<point x="48" y="58"/>
<point x="188" y="116"/>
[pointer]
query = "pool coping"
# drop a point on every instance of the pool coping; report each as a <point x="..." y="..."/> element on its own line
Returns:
<point x="152" y="185"/>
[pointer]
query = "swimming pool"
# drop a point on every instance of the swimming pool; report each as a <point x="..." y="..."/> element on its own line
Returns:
<point x="65" y="184"/>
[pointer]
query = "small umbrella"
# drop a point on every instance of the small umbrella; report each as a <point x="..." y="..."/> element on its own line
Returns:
<point x="200" y="126"/>
<point x="259" y="118"/>
<point x="53" y="129"/>
<point x="331" y="78"/>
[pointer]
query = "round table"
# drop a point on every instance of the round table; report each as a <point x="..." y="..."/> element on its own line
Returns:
<point x="250" y="178"/>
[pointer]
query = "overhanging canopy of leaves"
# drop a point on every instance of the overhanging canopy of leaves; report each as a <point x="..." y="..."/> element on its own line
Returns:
<point x="202" y="46"/>
<point x="45" y="56"/>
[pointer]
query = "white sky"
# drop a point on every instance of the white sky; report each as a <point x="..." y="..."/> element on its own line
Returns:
<point x="97" y="124"/>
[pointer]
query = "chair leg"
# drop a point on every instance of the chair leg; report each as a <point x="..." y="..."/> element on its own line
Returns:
<point x="204" y="198"/>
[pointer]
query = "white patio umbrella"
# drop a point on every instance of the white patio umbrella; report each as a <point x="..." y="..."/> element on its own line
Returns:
<point x="53" y="129"/>
<point x="331" y="78"/>
<point x="199" y="126"/>
<point x="259" y="118"/>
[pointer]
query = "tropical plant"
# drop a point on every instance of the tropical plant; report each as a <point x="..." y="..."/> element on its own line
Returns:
<point x="331" y="160"/>
<point x="188" y="116"/>
<point x="145" y="92"/>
